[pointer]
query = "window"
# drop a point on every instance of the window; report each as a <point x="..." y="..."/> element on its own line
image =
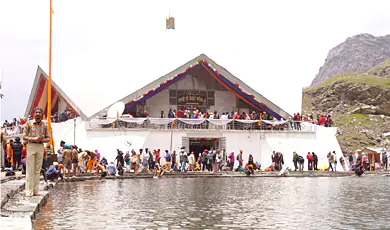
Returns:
<point x="172" y="101"/>
<point x="210" y="98"/>
<point x="172" y="97"/>
<point x="172" y="93"/>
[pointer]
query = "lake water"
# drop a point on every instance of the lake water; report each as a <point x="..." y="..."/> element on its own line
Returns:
<point x="220" y="203"/>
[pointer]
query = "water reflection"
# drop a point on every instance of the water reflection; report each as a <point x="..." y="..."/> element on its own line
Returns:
<point x="220" y="203"/>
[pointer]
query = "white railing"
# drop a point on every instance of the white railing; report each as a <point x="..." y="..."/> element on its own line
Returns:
<point x="197" y="124"/>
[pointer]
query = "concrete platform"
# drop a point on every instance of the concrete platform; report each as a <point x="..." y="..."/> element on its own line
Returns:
<point x="16" y="223"/>
<point x="17" y="210"/>
<point x="10" y="188"/>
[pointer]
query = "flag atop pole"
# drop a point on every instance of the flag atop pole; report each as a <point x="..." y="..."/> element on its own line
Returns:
<point x="170" y="23"/>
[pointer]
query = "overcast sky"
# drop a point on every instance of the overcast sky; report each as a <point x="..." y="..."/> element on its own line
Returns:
<point x="276" y="47"/>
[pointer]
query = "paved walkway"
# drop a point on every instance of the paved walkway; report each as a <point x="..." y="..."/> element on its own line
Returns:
<point x="17" y="211"/>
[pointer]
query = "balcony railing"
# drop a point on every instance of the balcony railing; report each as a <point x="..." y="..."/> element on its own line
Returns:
<point x="197" y="124"/>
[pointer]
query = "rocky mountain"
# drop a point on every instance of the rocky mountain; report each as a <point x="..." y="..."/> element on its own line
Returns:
<point x="381" y="70"/>
<point x="360" y="105"/>
<point x="357" y="54"/>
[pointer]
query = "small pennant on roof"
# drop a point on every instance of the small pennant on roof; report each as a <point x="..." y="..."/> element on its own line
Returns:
<point x="170" y="23"/>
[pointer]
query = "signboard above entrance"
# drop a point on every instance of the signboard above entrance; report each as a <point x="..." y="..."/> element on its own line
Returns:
<point x="191" y="97"/>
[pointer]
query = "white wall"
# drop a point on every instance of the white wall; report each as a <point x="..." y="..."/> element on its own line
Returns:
<point x="225" y="101"/>
<point x="158" y="103"/>
<point x="259" y="144"/>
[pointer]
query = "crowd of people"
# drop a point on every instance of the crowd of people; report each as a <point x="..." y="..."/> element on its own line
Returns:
<point x="240" y="120"/>
<point x="322" y="120"/>
<point x="213" y="160"/>
<point x="72" y="161"/>
<point x="254" y="115"/>
<point x="65" y="115"/>
<point x="15" y="126"/>
<point x="198" y="114"/>
<point x="36" y="156"/>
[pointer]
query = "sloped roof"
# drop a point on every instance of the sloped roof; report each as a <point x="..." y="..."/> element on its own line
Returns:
<point x="39" y="89"/>
<point x="254" y="97"/>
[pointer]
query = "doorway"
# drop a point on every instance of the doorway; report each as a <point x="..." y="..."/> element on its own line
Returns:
<point x="198" y="145"/>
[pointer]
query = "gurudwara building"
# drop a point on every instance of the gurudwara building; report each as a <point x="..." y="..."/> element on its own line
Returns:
<point x="199" y="105"/>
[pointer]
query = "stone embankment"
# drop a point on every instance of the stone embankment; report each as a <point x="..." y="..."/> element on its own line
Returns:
<point x="17" y="211"/>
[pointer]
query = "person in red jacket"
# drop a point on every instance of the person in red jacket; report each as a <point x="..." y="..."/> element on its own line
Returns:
<point x="24" y="151"/>
<point x="158" y="157"/>
<point x="328" y="121"/>
<point x="309" y="158"/>
<point x="322" y="120"/>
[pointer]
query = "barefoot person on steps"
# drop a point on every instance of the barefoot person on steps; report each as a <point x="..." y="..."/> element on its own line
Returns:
<point x="35" y="133"/>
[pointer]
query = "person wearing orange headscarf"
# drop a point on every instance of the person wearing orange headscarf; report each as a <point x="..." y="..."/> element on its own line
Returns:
<point x="10" y="153"/>
<point x="92" y="160"/>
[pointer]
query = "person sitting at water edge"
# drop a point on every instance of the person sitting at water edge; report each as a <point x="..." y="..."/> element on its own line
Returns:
<point x="53" y="172"/>
<point x="98" y="167"/>
<point x="249" y="169"/>
<point x="157" y="172"/>
<point x="92" y="160"/>
<point x="166" y="167"/>
<point x="111" y="169"/>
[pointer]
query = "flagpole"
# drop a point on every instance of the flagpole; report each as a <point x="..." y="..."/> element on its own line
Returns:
<point x="49" y="79"/>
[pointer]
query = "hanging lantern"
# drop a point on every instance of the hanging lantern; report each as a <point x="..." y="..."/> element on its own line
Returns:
<point x="170" y="23"/>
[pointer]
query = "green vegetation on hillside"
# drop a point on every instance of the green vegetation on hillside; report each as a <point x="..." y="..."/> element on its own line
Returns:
<point x="356" y="118"/>
<point x="354" y="77"/>
<point x="381" y="65"/>
<point x="357" y="128"/>
<point x="352" y="124"/>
